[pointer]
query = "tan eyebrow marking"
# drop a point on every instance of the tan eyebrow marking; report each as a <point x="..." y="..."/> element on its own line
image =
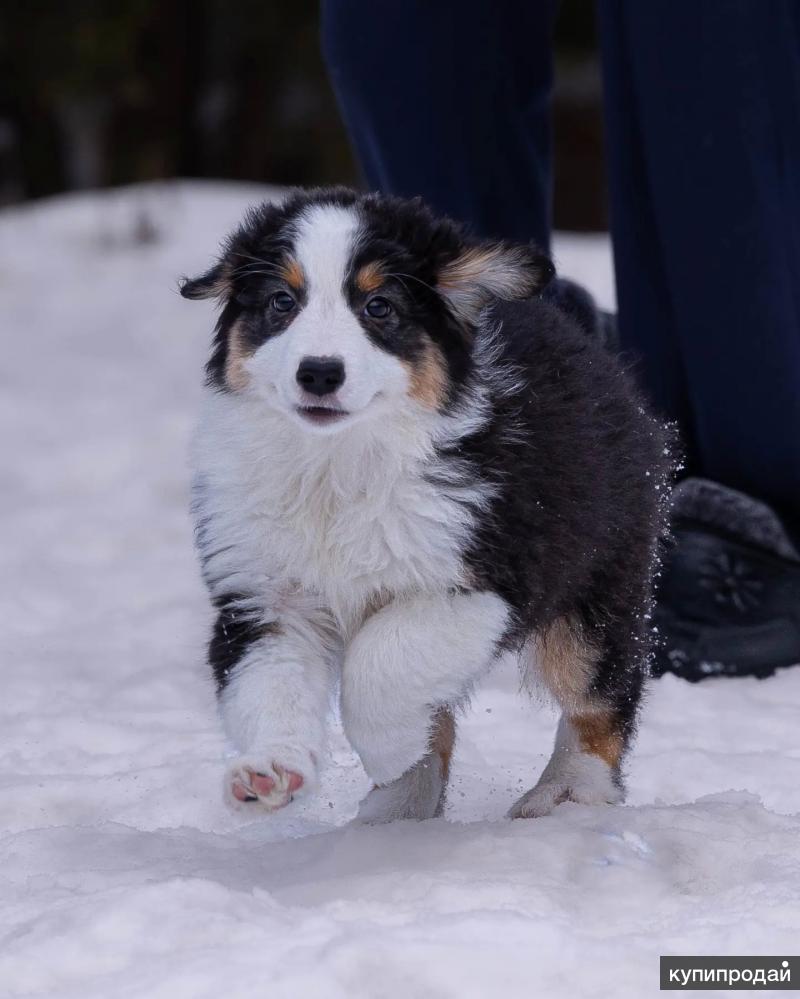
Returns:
<point x="370" y="277"/>
<point x="292" y="273"/>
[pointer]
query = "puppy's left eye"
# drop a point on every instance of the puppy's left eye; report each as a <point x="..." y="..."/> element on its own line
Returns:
<point x="282" y="301"/>
<point x="377" y="308"/>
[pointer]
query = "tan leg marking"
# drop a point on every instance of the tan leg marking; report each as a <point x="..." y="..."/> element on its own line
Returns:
<point x="565" y="661"/>
<point x="443" y="737"/>
<point x="598" y="736"/>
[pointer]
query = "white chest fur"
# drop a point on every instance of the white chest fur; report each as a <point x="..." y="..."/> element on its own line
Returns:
<point x="351" y="518"/>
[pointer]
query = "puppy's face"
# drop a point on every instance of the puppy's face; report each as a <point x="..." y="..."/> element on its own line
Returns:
<point x="337" y="308"/>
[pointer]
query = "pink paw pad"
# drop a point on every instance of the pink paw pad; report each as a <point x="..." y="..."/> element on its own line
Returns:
<point x="248" y="785"/>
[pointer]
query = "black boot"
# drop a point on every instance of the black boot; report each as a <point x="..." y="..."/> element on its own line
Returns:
<point x="728" y="601"/>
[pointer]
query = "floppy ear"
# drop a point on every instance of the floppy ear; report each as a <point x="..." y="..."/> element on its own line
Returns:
<point x="213" y="284"/>
<point x="492" y="270"/>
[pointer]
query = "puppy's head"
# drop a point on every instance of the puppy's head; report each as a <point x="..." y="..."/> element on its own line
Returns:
<point x="337" y="307"/>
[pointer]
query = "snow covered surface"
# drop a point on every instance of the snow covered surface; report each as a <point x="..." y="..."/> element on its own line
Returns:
<point x="122" y="873"/>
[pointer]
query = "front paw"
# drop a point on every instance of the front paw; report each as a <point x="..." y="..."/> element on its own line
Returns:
<point x="269" y="780"/>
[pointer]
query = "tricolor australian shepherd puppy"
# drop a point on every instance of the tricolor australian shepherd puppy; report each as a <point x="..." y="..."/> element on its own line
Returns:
<point x="407" y="464"/>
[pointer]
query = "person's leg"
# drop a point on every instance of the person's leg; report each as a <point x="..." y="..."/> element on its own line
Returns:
<point x="703" y="124"/>
<point x="450" y="100"/>
<point x="702" y="104"/>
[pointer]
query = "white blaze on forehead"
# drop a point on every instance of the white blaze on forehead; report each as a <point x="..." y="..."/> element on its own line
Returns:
<point x="325" y="238"/>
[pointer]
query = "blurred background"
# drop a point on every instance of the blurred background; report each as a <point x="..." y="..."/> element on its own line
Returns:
<point x="96" y="94"/>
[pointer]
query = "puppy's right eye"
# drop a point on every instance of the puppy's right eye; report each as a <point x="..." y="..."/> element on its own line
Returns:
<point x="377" y="308"/>
<point x="282" y="301"/>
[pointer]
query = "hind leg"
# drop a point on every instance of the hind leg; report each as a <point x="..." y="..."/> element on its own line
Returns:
<point x="579" y="770"/>
<point x="420" y="792"/>
<point x="599" y="688"/>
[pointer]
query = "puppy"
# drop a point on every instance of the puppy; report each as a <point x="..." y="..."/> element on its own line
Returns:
<point x="408" y="463"/>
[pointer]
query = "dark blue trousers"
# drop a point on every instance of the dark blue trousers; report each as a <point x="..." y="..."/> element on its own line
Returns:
<point x="450" y="99"/>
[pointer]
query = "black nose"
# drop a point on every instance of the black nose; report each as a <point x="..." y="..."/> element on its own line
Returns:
<point x="320" y="375"/>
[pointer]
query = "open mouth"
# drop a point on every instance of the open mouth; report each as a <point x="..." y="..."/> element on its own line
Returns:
<point x="321" y="415"/>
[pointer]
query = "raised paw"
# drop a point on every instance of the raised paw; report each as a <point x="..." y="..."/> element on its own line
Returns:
<point x="267" y="785"/>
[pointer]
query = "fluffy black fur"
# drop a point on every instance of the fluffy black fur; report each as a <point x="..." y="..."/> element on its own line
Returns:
<point x="582" y="472"/>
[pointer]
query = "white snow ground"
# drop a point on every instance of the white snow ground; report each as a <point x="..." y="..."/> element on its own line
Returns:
<point x="122" y="872"/>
